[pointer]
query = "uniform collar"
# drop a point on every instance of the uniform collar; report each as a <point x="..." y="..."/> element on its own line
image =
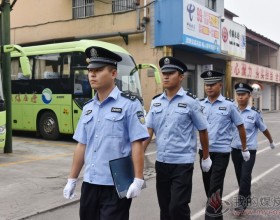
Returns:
<point x="220" y="98"/>
<point x="179" y="93"/>
<point x="248" y="108"/>
<point x="114" y="94"/>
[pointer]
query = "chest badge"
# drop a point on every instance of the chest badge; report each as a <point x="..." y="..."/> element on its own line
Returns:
<point x="182" y="105"/>
<point x="118" y="110"/>
<point x="157" y="104"/>
<point x="88" y="112"/>
<point x="223" y="108"/>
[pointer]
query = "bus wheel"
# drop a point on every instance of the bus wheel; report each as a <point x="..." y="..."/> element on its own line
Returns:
<point x="48" y="126"/>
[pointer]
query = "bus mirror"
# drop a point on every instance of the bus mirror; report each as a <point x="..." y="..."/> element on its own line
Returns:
<point x="25" y="65"/>
<point x="156" y="71"/>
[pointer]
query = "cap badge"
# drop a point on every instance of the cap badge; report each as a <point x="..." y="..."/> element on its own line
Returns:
<point x="209" y="74"/>
<point x="240" y="85"/>
<point x="93" y="53"/>
<point x="166" y="61"/>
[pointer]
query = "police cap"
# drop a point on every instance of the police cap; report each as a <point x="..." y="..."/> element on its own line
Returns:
<point x="211" y="77"/>
<point x="99" y="57"/>
<point x="243" y="88"/>
<point x="171" y="64"/>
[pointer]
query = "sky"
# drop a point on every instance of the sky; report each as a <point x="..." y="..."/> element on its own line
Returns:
<point x="263" y="17"/>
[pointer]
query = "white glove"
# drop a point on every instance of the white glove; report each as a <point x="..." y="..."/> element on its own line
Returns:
<point x="134" y="189"/>
<point x="206" y="164"/>
<point x="246" y="154"/>
<point x="68" y="191"/>
<point x="272" y="145"/>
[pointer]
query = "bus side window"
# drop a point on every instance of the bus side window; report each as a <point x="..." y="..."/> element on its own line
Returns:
<point x="47" y="66"/>
<point x="15" y="69"/>
<point x="66" y="66"/>
<point x="16" y="72"/>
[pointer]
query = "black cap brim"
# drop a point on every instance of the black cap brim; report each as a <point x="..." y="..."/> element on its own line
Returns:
<point x="168" y="70"/>
<point x="96" y="65"/>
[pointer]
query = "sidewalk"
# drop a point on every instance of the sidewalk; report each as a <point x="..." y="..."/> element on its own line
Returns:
<point x="34" y="175"/>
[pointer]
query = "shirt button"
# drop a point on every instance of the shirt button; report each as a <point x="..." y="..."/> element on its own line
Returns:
<point x="98" y="120"/>
<point x="92" y="165"/>
<point x="96" y="136"/>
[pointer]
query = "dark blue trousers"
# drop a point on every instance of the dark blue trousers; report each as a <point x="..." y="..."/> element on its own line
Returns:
<point x="174" y="189"/>
<point x="214" y="183"/>
<point x="100" y="202"/>
<point x="243" y="171"/>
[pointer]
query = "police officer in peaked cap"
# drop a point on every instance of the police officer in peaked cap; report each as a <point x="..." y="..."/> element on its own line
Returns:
<point x="253" y="122"/>
<point x="111" y="126"/>
<point x="220" y="113"/>
<point x="174" y="117"/>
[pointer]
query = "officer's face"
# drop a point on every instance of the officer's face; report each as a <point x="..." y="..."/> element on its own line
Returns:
<point x="172" y="79"/>
<point x="213" y="90"/>
<point x="243" y="98"/>
<point x="102" y="78"/>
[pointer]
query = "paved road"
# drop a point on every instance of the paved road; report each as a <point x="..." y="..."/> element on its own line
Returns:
<point x="32" y="179"/>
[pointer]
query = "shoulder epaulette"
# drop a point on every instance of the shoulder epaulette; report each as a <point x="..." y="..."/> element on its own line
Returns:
<point x="202" y="99"/>
<point x="157" y="95"/>
<point x="255" y="109"/>
<point x="231" y="100"/>
<point x="88" y="102"/>
<point x="129" y="95"/>
<point x="191" y="95"/>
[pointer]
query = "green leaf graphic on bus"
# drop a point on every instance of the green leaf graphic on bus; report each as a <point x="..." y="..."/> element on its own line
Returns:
<point x="47" y="96"/>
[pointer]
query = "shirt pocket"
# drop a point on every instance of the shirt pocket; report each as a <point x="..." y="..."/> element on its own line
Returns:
<point x="181" y="117"/>
<point x="249" y="124"/>
<point x="114" y="125"/>
<point x="222" y="117"/>
<point x="86" y="120"/>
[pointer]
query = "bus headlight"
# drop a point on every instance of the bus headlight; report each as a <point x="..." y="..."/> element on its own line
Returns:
<point x="2" y="129"/>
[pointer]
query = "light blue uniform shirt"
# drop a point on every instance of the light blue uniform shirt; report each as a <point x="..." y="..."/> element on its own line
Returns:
<point x="220" y="116"/>
<point x="107" y="129"/>
<point x="253" y="122"/>
<point x="174" y="122"/>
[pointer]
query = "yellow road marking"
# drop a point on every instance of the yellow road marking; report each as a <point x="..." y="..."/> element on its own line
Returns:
<point x="35" y="159"/>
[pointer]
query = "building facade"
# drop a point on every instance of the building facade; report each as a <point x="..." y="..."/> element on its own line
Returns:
<point x="199" y="32"/>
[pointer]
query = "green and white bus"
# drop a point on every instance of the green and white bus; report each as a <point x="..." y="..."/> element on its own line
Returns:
<point x="50" y="101"/>
<point x="26" y="71"/>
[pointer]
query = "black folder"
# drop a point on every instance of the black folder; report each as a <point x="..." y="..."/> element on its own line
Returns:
<point x="123" y="174"/>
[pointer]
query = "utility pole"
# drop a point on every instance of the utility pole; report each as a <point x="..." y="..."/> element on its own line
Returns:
<point x="6" y="67"/>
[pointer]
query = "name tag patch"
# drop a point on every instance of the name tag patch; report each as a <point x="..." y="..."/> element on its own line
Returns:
<point x="88" y="112"/>
<point x="182" y="105"/>
<point x="223" y="108"/>
<point x="118" y="110"/>
<point x="140" y="116"/>
<point x="250" y="117"/>
<point x="157" y="104"/>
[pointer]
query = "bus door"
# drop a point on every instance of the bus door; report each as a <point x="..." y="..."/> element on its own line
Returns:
<point x="82" y="90"/>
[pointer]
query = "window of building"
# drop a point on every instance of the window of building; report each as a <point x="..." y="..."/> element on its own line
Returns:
<point x="82" y="8"/>
<point x="123" y="5"/>
<point x="211" y="4"/>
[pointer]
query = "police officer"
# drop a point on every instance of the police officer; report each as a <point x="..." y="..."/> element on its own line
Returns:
<point x="174" y="117"/>
<point x="253" y="122"/>
<point x="220" y="113"/>
<point x="111" y="126"/>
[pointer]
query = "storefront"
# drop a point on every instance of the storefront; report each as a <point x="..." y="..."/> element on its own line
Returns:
<point x="267" y="78"/>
